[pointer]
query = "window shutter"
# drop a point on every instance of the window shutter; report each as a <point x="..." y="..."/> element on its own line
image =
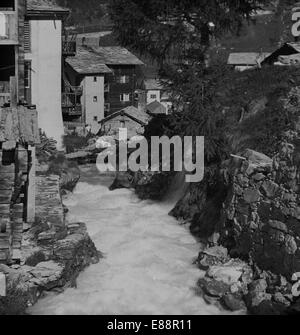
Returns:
<point x="27" y="36"/>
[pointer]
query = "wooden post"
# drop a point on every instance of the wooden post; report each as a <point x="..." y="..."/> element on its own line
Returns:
<point x="13" y="92"/>
<point x="31" y="187"/>
<point x="2" y="285"/>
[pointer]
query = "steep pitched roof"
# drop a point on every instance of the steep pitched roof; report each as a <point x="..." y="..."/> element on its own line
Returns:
<point x="140" y="115"/>
<point x="116" y="56"/>
<point x="86" y="62"/>
<point x="19" y="125"/>
<point x="246" y="58"/>
<point x="133" y="113"/>
<point x="156" y="108"/>
<point x="153" y="84"/>
<point x="45" y="6"/>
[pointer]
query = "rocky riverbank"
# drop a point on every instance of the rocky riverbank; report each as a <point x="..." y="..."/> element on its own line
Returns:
<point x="249" y="205"/>
<point x="246" y="213"/>
<point x="54" y="251"/>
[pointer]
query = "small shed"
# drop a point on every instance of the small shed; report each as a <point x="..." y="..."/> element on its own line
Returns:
<point x="18" y="135"/>
<point x="242" y="61"/>
<point x="130" y="118"/>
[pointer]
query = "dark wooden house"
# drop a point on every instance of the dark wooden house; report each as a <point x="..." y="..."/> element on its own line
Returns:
<point x="122" y="77"/>
<point x="12" y="48"/>
<point x="18" y="136"/>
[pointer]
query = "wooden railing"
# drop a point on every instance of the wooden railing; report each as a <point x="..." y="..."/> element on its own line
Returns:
<point x="70" y="104"/>
<point x="75" y="110"/>
<point x="69" y="48"/>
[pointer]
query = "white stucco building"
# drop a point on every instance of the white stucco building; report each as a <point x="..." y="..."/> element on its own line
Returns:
<point x="87" y="71"/>
<point x="156" y="93"/>
<point x="43" y="64"/>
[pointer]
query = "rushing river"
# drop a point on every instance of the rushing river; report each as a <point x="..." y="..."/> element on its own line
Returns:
<point x="148" y="257"/>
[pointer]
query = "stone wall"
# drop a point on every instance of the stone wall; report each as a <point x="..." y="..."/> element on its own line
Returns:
<point x="262" y="209"/>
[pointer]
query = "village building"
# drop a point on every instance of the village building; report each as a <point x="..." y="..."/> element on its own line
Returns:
<point x="153" y="89"/>
<point x="18" y="136"/>
<point x="108" y="77"/>
<point x="130" y="118"/>
<point x="156" y="92"/>
<point x="31" y="52"/>
<point x="85" y="76"/>
<point x="241" y="61"/>
<point x="155" y="108"/>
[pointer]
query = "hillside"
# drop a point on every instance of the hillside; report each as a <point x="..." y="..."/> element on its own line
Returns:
<point x="86" y="12"/>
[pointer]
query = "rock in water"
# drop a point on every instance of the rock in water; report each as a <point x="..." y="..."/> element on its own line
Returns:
<point x="234" y="302"/>
<point x="122" y="180"/>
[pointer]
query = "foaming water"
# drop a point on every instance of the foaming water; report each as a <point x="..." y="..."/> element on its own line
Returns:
<point x="148" y="264"/>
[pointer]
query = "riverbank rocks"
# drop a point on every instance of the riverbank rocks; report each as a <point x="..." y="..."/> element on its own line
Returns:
<point x="47" y="275"/>
<point x="212" y="256"/>
<point x="255" y="213"/>
<point x="152" y="185"/>
<point x="261" y="218"/>
<point x="54" y="251"/>
<point x="122" y="180"/>
<point x="226" y="280"/>
<point x="47" y="267"/>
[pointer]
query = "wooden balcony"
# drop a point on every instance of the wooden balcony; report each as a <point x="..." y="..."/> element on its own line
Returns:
<point x="68" y="48"/>
<point x="70" y="104"/>
<point x="74" y="110"/>
<point x="10" y="36"/>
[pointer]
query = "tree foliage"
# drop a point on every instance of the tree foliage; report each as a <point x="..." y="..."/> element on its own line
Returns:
<point x="84" y="12"/>
<point x="208" y="100"/>
<point x="176" y="28"/>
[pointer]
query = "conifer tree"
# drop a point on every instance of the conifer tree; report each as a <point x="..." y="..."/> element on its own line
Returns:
<point x="177" y="34"/>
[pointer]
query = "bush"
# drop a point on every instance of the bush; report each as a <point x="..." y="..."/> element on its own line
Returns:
<point x="215" y="101"/>
<point x="73" y="142"/>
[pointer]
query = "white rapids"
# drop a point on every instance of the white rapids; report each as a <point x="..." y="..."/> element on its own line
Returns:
<point x="148" y="257"/>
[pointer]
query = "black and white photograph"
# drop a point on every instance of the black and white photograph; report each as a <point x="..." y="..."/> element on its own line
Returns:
<point x="149" y="161"/>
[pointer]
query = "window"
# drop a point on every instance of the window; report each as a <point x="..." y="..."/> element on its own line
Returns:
<point x="124" y="97"/>
<point x="27" y="36"/>
<point x="95" y="99"/>
<point x="27" y="74"/>
<point x="7" y="5"/>
<point x="123" y="79"/>
<point x="95" y="79"/>
<point x="107" y="107"/>
<point x="96" y="118"/>
<point x="153" y="96"/>
<point x="122" y="124"/>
